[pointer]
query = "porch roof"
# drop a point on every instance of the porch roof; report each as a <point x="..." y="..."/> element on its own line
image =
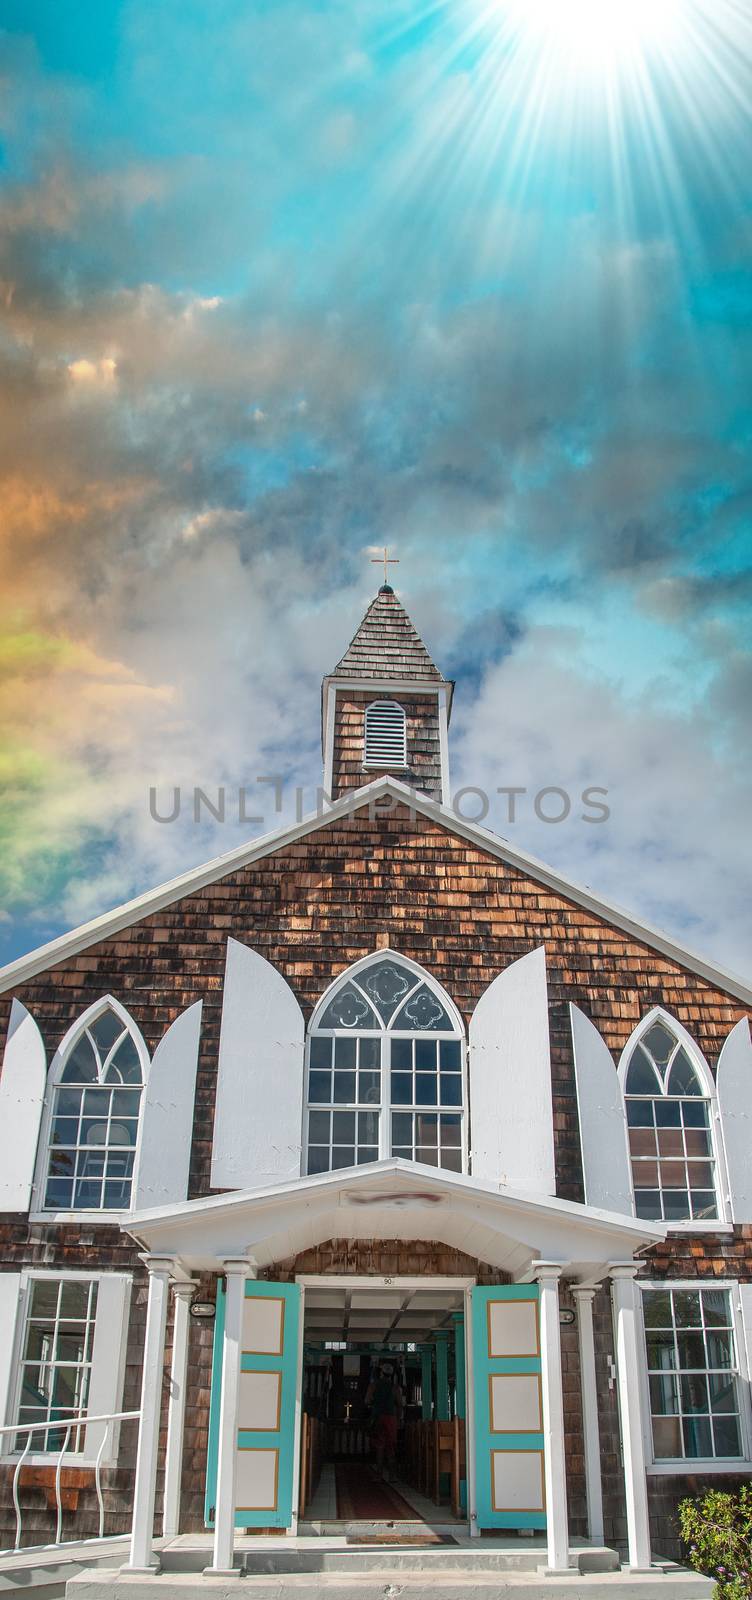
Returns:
<point x="394" y="1199"/>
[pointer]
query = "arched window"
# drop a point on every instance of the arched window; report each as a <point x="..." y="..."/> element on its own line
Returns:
<point x="385" y="741"/>
<point x="96" y="1082"/>
<point x="668" y="1101"/>
<point x="385" y="1071"/>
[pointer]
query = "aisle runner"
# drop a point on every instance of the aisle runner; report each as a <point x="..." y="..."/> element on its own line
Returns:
<point x="363" y="1498"/>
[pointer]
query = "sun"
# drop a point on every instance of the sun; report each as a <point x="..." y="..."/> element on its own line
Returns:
<point x="594" y="34"/>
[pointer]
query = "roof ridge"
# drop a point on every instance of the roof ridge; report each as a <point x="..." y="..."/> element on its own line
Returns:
<point x="387" y="644"/>
<point x="69" y="944"/>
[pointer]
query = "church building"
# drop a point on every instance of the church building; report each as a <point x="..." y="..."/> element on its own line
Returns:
<point x="374" y="1100"/>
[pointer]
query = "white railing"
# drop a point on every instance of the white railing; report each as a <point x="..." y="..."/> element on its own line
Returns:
<point x="74" y="1424"/>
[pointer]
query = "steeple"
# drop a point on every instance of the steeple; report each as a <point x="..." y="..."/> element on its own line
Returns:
<point x="386" y="707"/>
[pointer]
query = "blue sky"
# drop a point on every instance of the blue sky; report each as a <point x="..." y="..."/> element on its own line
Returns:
<point x="281" y="282"/>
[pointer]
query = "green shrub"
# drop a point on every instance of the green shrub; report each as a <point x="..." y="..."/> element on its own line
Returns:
<point x="717" y="1530"/>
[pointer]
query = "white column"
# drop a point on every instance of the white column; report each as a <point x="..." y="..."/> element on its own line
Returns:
<point x="182" y="1294"/>
<point x="629" y="1362"/>
<point x="583" y="1298"/>
<point x="142" y="1535"/>
<point x="557" y="1526"/>
<point x="236" y="1270"/>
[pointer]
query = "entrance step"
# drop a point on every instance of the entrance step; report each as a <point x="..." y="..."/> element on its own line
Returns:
<point x="389" y="1582"/>
<point x="426" y="1558"/>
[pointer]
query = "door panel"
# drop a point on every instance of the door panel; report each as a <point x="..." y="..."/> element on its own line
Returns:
<point x="510" y="1486"/>
<point x="266" y="1406"/>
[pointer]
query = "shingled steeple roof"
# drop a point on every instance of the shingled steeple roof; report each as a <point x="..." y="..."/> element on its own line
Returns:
<point x="387" y="645"/>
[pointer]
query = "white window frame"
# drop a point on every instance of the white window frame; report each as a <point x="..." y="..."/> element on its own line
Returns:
<point x="721" y="1224"/>
<point x="392" y="761"/>
<point x="109" y="1350"/>
<point x="385" y="1107"/>
<point x="39" y="1212"/>
<point x="690" y="1466"/>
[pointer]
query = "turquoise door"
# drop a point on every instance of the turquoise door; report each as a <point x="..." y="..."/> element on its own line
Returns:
<point x="266" y="1407"/>
<point x="509" y="1476"/>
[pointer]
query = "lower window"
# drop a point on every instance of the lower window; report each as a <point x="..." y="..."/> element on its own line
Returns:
<point x="57" y="1353"/>
<point x="692" y="1373"/>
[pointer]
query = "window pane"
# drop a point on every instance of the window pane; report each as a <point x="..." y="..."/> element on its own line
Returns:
<point x="368" y="1127"/>
<point x="659" y="1042"/>
<point x="402" y="1089"/>
<point x="697" y="1141"/>
<point x="68" y="1103"/>
<point x="451" y="1160"/>
<point x="44" y="1297"/>
<point x="387" y="983"/>
<point x="344" y="1088"/>
<point x="369" y="1055"/>
<point x="425" y="1055"/>
<point x="722" y="1392"/>
<point x="367" y="1153"/>
<point x="58" y="1195"/>
<point x="670" y="1142"/>
<point x="427" y="1130"/>
<point x="402" y="1128"/>
<point x="344" y="1054"/>
<point x="700" y="1174"/>
<point x="640" y="1113"/>
<point x="369" y="1088"/>
<point x="667" y="1438"/>
<point x="321" y="1052"/>
<point x="81" y="1065"/>
<point x="660" y="1350"/>
<point x="682" y="1078"/>
<point x="694" y="1114"/>
<point x="451" y="1089"/>
<point x="318" y="1127"/>
<point x="720" y="1349"/>
<point x="716" y="1308"/>
<point x="343" y="1156"/>
<point x="402" y="1055"/>
<point x="450" y="1055"/>
<point x="451" y="1131"/>
<point x="422" y="1010"/>
<point x="675" y="1205"/>
<point x="694" y="1394"/>
<point x="74" y="1300"/>
<point x="664" y="1396"/>
<point x="667" y="1113"/>
<point x="698" y="1439"/>
<point x="428" y="1154"/>
<point x="348" y="1009"/>
<point x="318" y="1160"/>
<point x="687" y="1308"/>
<point x="642" y="1141"/>
<point x="641" y="1075"/>
<point x="648" y="1204"/>
<point x="727" y="1438"/>
<point x="645" y="1174"/>
<point x="320" y="1087"/>
<point x="125" y="1066"/>
<point x="343" y="1127"/>
<point x="691" y="1350"/>
<point x="426" y="1089"/>
<point x="657" y="1308"/>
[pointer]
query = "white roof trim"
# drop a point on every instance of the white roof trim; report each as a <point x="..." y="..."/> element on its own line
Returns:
<point x="411" y="1174"/>
<point x="112" y="922"/>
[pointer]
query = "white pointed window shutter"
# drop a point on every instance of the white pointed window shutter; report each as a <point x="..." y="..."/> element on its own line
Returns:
<point x="258" y="1115"/>
<point x="22" y="1087"/>
<point x="511" y="1107"/>
<point x="603" y="1126"/>
<point x="734" y="1089"/>
<point x="167" y="1115"/>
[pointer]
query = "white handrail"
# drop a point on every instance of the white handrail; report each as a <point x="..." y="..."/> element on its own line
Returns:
<point x="68" y="1423"/>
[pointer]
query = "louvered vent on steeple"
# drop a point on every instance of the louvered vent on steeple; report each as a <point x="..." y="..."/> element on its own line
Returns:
<point x="385" y="742"/>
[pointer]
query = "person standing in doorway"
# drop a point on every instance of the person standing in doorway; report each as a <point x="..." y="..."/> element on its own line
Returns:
<point x="384" y="1398"/>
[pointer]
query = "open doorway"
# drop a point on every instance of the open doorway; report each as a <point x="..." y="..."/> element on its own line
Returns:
<point x="384" y="1432"/>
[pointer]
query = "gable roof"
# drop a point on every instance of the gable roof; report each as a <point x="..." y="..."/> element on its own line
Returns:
<point x="387" y="645"/>
<point x="104" y="927"/>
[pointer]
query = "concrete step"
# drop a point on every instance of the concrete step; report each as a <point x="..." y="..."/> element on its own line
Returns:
<point x="426" y="1558"/>
<point x="43" y="1574"/>
<point x="394" y="1583"/>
